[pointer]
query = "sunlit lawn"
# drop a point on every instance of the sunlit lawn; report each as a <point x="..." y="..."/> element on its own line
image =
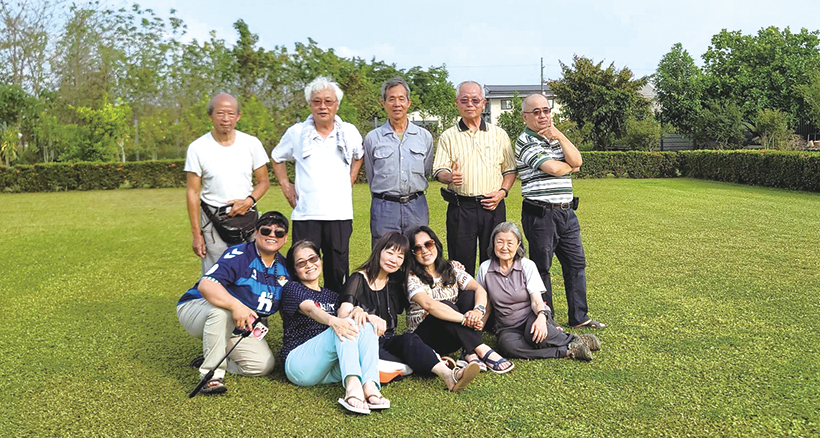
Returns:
<point x="711" y="291"/>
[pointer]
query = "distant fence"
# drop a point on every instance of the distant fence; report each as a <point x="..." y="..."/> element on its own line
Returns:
<point x="676" y="142"/>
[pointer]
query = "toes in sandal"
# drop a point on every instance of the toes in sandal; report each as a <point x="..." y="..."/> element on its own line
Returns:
<point x="215" y="386"/>
<point x="381" y="402"/>
<point x="495" y="365"/>
<point x="350" y="408"/>
<point x="463" y="361"/>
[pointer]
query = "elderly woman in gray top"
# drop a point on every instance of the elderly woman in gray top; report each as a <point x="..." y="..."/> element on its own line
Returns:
<point x="524" y="324"/>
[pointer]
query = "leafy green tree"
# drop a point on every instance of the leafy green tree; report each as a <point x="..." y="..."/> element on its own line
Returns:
<point x="773" y="128"/>
<point x="679" y="86"/>
<point x="103" y="133"/>
<point x="720" y="125"/>
<point x="511" y="121"/>
<point x="601" y="98"/>
<point x="642" y="134"/>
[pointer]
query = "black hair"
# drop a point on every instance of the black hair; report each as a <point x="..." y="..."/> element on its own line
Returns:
<point x="391" y="240"/>
<point x="441" y="265"/>
<point x="290" y="261"/>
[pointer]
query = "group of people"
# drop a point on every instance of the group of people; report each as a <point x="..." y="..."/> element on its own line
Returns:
<point x="347" y="330"/>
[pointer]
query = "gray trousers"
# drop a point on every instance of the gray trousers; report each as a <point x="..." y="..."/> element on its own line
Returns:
<point x="214" y="245"/>
<point x="387" y="216"/>
<point x="517" y="341"/>
<point x="252" y="357"/>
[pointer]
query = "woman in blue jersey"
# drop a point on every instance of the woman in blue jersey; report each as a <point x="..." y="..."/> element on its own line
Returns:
<point x="244" y="284"/>
<point x="318" y="346"/>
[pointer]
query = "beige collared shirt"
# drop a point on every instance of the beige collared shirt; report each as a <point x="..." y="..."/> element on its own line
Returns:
<point x="484" y="157"/>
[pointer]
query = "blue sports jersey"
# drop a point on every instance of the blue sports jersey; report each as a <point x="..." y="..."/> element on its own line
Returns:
<point x="240" y="270"/>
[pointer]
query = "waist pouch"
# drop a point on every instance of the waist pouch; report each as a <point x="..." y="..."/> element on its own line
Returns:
<point x="232" y="230"/>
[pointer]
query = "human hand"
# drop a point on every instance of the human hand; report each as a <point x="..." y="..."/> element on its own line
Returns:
<point x="379" y="324"/>
<point x="198" y="245"/>
<point x="290" y="194"/>
<point x="456" y="175"/>
<point x="344" y="328"/>
<point x="240" y="206"/>
<point x="359" y="315"/>
<point x="539" y="329"/>
<point x="457" y="264"/>
<point x="474" y="319"/>
<point x="492" y="199"/>
<point x="243" y="317"/>
<point x="550" y="132"/>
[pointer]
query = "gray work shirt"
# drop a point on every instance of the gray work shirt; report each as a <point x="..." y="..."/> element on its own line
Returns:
<point x="398" y="167"/>
<point x="510" y="294"/>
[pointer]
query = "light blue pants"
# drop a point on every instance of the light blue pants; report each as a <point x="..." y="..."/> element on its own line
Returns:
<point x="327" y="359"/>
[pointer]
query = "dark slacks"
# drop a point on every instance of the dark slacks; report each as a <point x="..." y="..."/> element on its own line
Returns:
<point x="558" y="232"/>
<point x="517" y="341"/>
<point x="333" y="240"/>
<point x="408" y="349"/>
<point x="467" y="222"/>
<point x="446" y="337"/>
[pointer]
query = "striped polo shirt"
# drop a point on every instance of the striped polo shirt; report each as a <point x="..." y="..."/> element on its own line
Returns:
<point x="531" y="150"/>
<point x="484" y="157"/>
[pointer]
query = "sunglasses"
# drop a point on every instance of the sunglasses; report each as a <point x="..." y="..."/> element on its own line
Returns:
<point x="279" y="233"/>
<point x="313" y="259"/>
<point x="538" y="111"/>
<point x="430" y="244"/>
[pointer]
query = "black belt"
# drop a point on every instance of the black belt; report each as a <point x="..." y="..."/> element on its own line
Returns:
<point x="471" y="199"/>
<point x="399" y="199"/>
<point x="553" y="206"/>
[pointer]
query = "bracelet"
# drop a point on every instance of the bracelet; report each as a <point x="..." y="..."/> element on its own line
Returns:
<point x="252" y="199"/>
<point x="506" y="192"/>
<point x="463" y="319"/>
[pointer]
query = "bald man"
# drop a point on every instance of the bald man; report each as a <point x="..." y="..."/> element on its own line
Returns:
<point x="545" y="159"/>
<point x="220" y="166"/>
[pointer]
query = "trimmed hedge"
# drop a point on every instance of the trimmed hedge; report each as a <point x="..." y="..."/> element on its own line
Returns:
<point x="794" y="170"/>
<point x="789" y="170"/>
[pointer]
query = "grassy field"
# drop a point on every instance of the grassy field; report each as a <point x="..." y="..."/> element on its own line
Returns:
<point x="711" y="291"/>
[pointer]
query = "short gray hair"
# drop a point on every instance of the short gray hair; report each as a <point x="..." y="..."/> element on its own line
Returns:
<point x="394" y="82"/>
<point x="210" y="107"/>
<point x="507" y="227"/>
<point x="323" y="83"/>
<point x="480" y="88"/>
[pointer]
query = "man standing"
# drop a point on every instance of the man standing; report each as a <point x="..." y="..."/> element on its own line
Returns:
<point x="328" y="154"/>
<point x="545" y="159"/>
<point x="476" y="161"/>
<point x="398" y="159"/>
<point x="219" y="168"/>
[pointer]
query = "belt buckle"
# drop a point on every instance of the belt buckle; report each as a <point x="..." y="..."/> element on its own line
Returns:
<point x="565" y="205"/>
<point x="404" y="199"/>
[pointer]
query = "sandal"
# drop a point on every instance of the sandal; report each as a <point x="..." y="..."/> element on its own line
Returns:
<point x="463" y="361"/>
<point x="495" y="365"/>
<point x="215" y="386"/>
<point x="451" y="363"/>
<point x="593" y="324"/>
<point x="350" y="408"/>
<point x="468" y="373"/>
<point x="382" y="403"/>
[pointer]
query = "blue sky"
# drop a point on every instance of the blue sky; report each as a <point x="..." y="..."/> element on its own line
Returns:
<point x="494" y="42"/>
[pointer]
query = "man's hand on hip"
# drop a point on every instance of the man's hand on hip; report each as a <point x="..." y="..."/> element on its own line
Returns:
<point x="491" y="200"/>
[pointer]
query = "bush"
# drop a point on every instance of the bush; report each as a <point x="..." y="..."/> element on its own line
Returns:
<point x="630" y="164"/>
<point x="642" y="135"/>
<point x="155" y="174"/>
<point x="773" y="128"/>
<point x="787" y="170"/>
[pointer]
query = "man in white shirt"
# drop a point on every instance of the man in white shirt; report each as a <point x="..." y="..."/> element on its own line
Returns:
<point x="220" y="166"/>
<point x="328" y="155"/>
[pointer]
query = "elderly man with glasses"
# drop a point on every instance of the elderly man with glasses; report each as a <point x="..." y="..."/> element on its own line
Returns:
<point x="545" y="159"/>
<point x="476" y="161"/>
<point x="328" y="155"/>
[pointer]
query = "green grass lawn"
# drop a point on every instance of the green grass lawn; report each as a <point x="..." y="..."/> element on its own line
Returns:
<point x="711" y="291"/>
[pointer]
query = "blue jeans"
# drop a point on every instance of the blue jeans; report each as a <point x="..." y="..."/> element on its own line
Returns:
<point x="327" y="359"/>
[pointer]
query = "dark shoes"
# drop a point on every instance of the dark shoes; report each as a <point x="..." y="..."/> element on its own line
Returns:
<point x="591" y="341"/>
<point x="196" y="363"/>
<point x="578" y="350"/>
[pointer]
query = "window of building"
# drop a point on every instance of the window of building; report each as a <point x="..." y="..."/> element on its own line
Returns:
<point x="506" y="104"/>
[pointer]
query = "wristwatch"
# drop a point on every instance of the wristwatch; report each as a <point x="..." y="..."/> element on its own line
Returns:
<point x="481" y="309"/>
<point x="546" y="313"/>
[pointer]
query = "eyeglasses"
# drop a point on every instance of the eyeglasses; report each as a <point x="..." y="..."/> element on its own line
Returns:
<point x="313" y="259"/>
<point x="538" y="111"/>
<point x="465" y="100"/>
<point x="430" y="244"/>
<point x="319" y="102"/>
<point x="279" y="233"/>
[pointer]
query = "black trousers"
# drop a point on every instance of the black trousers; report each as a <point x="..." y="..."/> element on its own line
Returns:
<point x="408" y="349"/>
<point x="517" y="341"/>
<point x="558" y="232"/>
<point x="467" y="222"/>
<point x="333" y="240"/>
<point x="446" y="337"/>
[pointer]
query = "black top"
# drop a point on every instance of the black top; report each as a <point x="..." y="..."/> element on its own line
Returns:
<point x="386" y="303"/>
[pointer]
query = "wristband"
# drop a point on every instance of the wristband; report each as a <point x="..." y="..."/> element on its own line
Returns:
<point x="506" y="192"/>
<point x="252" y="199"/>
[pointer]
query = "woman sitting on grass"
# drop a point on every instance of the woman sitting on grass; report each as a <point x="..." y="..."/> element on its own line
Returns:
<point x="378" y="288"/>
<point x="319" y="347"/>
<point x="447" y="306"/>
<point x="523" y="323"/>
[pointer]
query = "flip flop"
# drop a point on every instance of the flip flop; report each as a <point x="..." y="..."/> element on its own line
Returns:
<point x="378" y="406"/>
<point x="495" y="365"/>
<point x="467" y="376"/>
<point x="351" y="408"/>
<point x="593" y="324"/>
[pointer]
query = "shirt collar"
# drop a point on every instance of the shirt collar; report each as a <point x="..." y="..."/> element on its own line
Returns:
<point x="534" y="134"/>
<point x="463" y="126"/>
<point x="494" y="266"/>
<point x="386" y="129"/>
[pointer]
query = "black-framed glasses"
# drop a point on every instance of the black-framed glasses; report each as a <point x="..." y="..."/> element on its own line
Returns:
<point x="465" y="100"/>
<point x="278" y="232"/>
<point x="538" y="111"/>
<point x="430" y="244"/>
<point x="312" y="259"/>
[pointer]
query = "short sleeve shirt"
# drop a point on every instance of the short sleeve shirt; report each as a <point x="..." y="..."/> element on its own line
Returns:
<point x="532" y="150"/>
<point x="398" y="166"/>
<point x="438" y="291"/>
<point x="298" y="328"/>
<point x="226" y="171"/>
<point x="510" y="294"/>
<point x="322" y="169"/>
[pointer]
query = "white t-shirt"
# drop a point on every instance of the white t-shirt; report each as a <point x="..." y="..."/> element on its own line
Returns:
<point x="322" y="169"/>
<point x="226" y="171"/>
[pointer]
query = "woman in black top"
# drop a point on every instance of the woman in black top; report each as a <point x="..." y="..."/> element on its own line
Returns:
<point x="378" y="288"/>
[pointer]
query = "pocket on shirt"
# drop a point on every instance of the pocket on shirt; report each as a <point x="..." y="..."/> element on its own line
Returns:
<point x="383" y="163"/>
<point x="417" y="153"/>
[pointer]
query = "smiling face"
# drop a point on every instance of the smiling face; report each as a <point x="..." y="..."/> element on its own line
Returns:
<point x="324" y="105"/>
<point x="307" y="264"/>
<point x="469" y="101"/>
<point x="270" y="244"/>
<point x="505" y="246"/>
<point x="396" y="103"/>
<point x="391" y="259"/>
<point x="225" y="114"/>
<point x="424" y="249"/>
